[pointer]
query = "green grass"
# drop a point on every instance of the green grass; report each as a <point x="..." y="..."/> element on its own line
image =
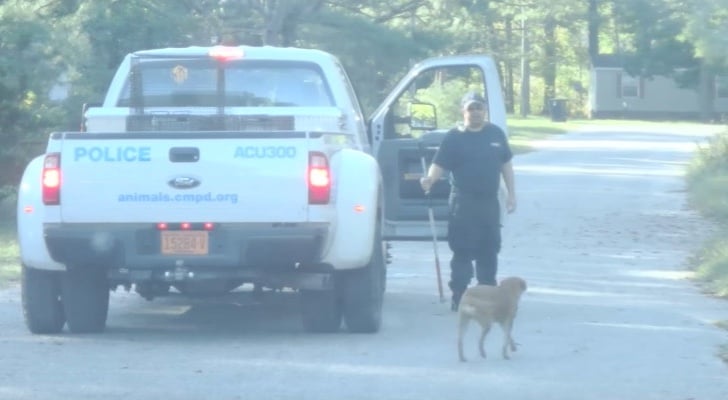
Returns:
<point x="712" y="265"/>
<point x="723" y="350"/>
<point x="9" y="254"/>
<point x="522" y="131"/>
<point x="723" y="353"/>
<point x="707" y="180"/>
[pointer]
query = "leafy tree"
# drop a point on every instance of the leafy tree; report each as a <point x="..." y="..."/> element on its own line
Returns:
<point x="374" y="55"/>
<point x="653" y="44"/>
<point x="114" y="28"/>
<point x="706" y="28"/>
<point x="29" y="67"/>
<point x="255" y="22"/>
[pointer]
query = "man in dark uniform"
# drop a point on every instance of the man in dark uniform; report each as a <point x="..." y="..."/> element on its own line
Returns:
<point x="477" y="155"/>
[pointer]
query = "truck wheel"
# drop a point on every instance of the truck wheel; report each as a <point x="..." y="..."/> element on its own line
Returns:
<point x="85" y="295"/>
<point x="41" y="299"/>
<point x="321" y="311"/>
<point x="364" y="292"/>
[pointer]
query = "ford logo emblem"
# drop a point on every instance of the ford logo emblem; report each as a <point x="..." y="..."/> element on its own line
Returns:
<point x="184" y="182"/>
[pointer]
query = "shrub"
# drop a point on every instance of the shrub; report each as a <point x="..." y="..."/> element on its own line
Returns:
<point x="708" y="178"/>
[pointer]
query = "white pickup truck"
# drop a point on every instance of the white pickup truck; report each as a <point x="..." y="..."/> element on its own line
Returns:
<point x="207" y="168"/>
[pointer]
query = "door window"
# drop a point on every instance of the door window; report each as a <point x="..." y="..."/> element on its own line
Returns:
<point x="442" y="87"/>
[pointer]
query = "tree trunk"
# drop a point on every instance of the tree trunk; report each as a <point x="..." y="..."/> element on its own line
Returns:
<point x="706" y="92"/>
<point x="549" y="69"/>
<point x="525" y="71"/>
<point x="594" y="23"/>
<point x="273" y="18"/>
<point x="508" y="76"/>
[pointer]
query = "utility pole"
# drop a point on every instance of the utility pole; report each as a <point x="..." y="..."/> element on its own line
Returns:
<point x="525" y="68"/>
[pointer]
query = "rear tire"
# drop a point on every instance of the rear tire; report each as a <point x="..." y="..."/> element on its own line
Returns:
<point x="320" y="311"/>
<point x="41" y="299"/>
<point x="85" y="294"/>
<point x="364" y="292"/>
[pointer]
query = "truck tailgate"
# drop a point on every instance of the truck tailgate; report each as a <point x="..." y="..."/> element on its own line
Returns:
<point x="184" y="177"/>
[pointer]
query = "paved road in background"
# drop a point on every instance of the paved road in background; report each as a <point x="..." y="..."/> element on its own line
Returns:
<point x="602" y="236"/>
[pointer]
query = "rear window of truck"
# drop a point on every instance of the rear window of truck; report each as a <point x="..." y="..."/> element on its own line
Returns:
<point x="208" y="83"/>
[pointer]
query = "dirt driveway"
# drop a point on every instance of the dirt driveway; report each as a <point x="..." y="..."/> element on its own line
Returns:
<point x="602" y="235"/>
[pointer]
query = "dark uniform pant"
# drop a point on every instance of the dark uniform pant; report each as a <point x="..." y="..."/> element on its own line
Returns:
<point x="474" y="235"/>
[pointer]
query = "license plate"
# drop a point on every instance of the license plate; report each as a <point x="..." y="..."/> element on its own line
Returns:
<point x="184" y="242"/>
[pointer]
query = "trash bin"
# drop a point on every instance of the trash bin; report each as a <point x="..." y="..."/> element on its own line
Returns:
<point x="558" y="110"/>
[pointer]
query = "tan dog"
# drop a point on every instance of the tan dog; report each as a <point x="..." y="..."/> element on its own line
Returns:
<point x="488" y="304"/>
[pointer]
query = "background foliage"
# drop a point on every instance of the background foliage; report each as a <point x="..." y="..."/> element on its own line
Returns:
<point x="57" y="54"/>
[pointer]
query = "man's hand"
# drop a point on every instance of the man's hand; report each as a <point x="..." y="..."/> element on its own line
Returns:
<point x="426" y="182"/>
<point x="507" y="172"/>
<point x="432" y="176"/>
<point x="511" y="203"/>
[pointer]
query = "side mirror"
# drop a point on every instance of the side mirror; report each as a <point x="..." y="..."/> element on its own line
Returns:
<point x="422" y="116"/>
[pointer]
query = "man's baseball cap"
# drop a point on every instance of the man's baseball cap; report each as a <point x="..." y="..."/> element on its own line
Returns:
<point x="470" y="98"/>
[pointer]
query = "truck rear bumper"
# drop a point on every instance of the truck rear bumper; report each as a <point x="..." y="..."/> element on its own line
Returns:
<point x="319" y="278"/>
<point x="230" y="246"/>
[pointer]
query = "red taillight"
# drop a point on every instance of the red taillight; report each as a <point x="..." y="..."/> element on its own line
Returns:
<point x="319" y="178"/>
<point x="51" y="179"/>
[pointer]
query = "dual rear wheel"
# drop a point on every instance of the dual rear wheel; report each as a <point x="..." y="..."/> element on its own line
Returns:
<point x="78" y="297"/>
<point x="356" y="299"/>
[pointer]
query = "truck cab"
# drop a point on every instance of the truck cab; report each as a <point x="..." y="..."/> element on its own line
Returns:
<point x="410" y="124"/>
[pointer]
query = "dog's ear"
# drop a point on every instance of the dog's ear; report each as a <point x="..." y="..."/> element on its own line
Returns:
<point x="523" y="285"/>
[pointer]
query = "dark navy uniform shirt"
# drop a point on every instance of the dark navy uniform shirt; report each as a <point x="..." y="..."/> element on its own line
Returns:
<point x="475" y="160"/>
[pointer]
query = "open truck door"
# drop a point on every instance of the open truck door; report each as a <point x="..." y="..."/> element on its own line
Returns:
<point x="411" y="123"/>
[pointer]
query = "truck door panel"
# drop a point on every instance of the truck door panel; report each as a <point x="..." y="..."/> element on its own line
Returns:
<point x="399" y="143"/>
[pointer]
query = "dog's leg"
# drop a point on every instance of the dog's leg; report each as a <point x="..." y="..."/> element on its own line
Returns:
<point x="514" y="345"/>
<point x="463" y="322"/>
<point x="483" y="334"/>
<point x="507" y="326"/>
